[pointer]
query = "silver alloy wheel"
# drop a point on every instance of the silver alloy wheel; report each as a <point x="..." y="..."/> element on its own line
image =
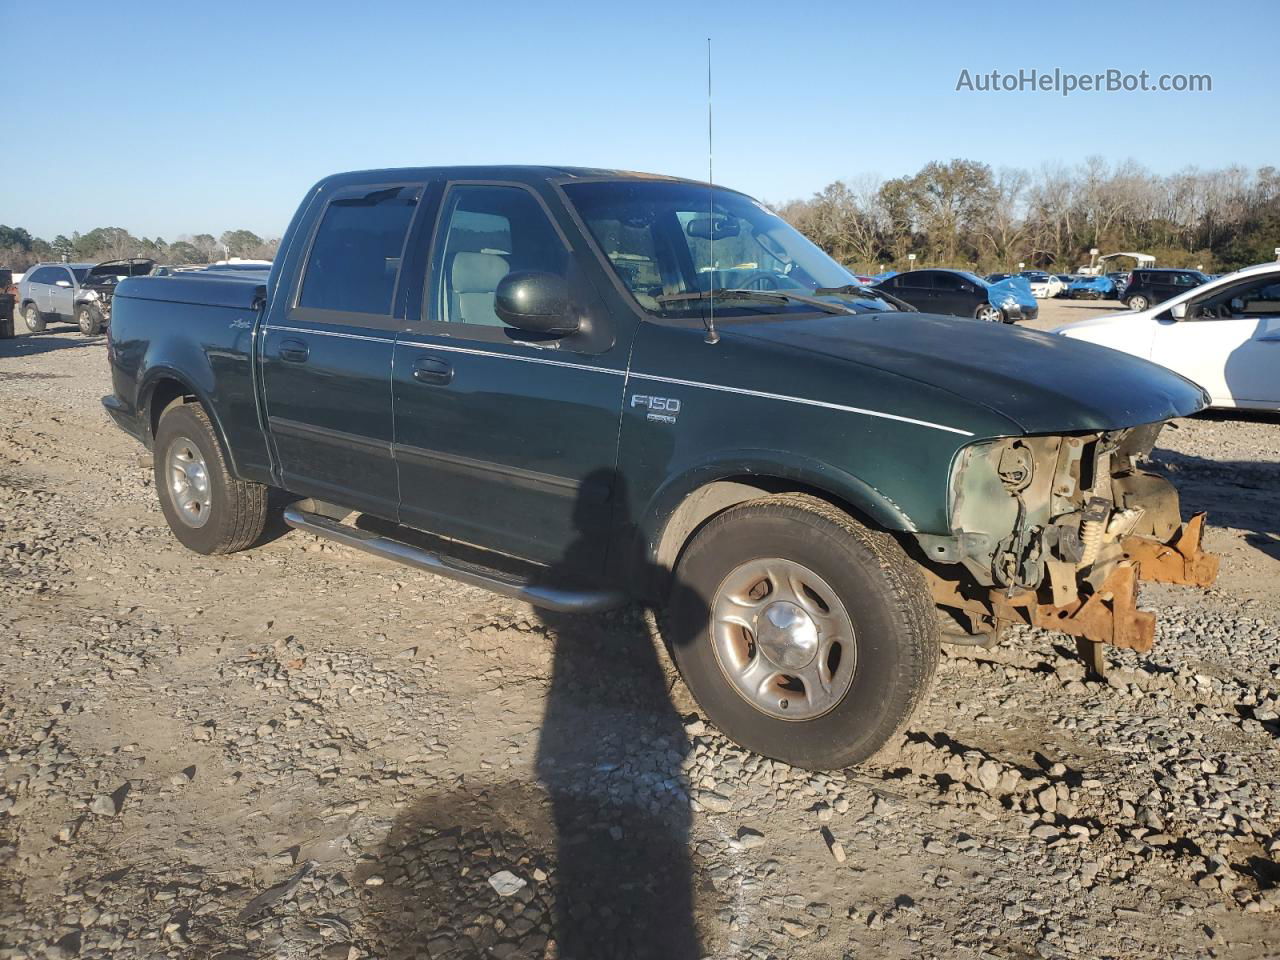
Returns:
<point x="189" y="482"/>
<point x="1137" y="304"/>
<point x="989" y="313"/>
<point x="783" y="638"/>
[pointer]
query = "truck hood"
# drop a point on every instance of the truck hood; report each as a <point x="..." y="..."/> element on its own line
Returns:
<point x="1045" y="384"/>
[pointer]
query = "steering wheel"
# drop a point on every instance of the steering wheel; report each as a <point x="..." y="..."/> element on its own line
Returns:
<point x="760" y="280"/>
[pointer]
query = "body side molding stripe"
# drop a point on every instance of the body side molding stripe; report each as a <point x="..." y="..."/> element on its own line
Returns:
<point x="546" y="482"/>
<point x="812" y="403"/>
<point x="339" y="438"/>
<point x="514" y="356"/>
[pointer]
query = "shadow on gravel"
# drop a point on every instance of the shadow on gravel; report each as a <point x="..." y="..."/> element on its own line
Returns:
<point x="595" y="855"/>
<point x="37" y="343"/>
<point x="1244" y="494"/>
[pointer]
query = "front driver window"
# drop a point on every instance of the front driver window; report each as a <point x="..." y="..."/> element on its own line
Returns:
<point x="1255" y="298"/>
<point x="487" y="232"/>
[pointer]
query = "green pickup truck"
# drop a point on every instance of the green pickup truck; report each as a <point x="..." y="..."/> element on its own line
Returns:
<point x="585" y="387"/>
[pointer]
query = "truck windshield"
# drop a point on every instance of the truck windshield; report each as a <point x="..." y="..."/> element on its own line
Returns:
<point x="668" y="242"/>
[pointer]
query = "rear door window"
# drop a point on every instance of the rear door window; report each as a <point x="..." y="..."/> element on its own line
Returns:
<point x="354" y="261"/>
<point x="916" y="280"/>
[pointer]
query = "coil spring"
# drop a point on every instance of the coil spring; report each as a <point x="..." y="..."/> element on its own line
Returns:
<point x="1091" y="540"/>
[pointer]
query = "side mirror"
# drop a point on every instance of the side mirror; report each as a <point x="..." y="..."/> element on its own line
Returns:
<point x="1178" y="311"/>
<point x="62" y="283"/>
<point x="534" y="301"/>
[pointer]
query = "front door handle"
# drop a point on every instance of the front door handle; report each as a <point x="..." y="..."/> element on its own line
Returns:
<point x="293" y="351"/>
<point x="432" y="370"/>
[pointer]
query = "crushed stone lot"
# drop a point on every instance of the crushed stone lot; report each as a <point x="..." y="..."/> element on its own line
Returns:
<point x="302" y="751"/>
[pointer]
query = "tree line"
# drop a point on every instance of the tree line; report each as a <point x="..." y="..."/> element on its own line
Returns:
<point x="954" y="213"/>
<point x="963" y="213"/>
<point x="19" y="249"/>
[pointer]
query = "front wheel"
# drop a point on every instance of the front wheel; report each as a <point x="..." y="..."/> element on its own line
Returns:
<point x="802" y="634"/>
<point x="989" y="313"/>
<point x="33" y="318"/>
<point x="208" y="509"/>
<point x="89" y="319"/>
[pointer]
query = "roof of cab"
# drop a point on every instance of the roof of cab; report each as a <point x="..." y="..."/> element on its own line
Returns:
<point x="520" y="173"/>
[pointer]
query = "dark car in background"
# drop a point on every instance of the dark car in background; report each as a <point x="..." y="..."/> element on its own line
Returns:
<point x="8" y="297"/>
<point x="961" y="294"/>
<point x="1150" y="286"/>
<point x="93" y="300"/>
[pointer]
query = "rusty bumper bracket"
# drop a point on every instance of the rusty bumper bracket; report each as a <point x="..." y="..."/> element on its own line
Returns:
<point x="1109" y="616"/>
<point x="1180" y="561"/>
<point x="1110" y="613"/>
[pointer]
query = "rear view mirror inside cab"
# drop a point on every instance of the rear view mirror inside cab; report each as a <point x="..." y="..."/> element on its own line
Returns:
<point x="712" y="228"/>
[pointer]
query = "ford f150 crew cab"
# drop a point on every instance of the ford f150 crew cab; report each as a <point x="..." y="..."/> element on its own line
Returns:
<point x="581" y="387"/>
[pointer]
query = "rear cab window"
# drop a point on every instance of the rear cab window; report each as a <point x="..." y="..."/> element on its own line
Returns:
<point x="353" y="265"/>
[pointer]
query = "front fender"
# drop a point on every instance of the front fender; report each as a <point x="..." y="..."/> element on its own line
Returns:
<point x="763" y="470"/>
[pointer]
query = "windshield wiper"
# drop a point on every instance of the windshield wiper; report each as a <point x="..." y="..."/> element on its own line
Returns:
<point x="858" y="290"/>
<point x="764" y="296"/>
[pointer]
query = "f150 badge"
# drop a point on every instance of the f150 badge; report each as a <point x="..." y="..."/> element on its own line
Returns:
<point x="660" y="409"/>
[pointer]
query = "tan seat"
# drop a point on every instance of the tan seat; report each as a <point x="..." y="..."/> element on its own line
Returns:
<point x="473" y="279"/>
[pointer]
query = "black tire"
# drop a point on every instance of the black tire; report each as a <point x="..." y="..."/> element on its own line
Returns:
<point x="894" y="620"/>
<point x="1138" y="302"/>
<point x="89" y="319"/>
<point x="33" y="318"/>
<point x="236" y="511"/>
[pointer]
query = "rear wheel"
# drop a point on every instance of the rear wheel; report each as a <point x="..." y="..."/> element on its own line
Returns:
<point x="802" y="634"/>
<point x="33" y="318"/>
<point x="208" y="509"/>
<point x="89" y="319"/>
<point x="1137" y="302"/>
<point x="989" y="312"/>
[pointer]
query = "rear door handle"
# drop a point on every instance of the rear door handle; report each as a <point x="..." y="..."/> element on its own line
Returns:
<point x="294" y="351"/>
<point x="432" y="370"/>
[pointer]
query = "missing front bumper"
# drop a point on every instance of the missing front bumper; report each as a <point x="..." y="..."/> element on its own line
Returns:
<point x="1108" y="614"/>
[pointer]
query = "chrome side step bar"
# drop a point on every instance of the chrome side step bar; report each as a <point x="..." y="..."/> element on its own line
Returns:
<point x="550" y="598"/>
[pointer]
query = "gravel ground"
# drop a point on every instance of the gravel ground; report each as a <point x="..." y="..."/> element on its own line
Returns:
<point x="301" y="751"/>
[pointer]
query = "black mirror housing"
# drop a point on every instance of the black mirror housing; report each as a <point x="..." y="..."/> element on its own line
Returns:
<point x="535" y="301"/>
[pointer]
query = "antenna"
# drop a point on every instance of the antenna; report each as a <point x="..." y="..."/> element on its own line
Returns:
<point x="712" y="336"/>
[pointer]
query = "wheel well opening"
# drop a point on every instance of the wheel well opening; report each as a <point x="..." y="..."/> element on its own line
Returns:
<point x="712" y="499"/>
<point x="166" y="393"/>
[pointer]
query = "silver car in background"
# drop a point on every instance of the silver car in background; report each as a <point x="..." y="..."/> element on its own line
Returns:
<point x="47" y="293"/>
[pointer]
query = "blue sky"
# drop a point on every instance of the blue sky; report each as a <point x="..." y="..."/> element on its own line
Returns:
<point x="164" y="119"/>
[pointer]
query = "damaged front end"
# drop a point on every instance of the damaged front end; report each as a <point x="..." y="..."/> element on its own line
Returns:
<point x="1056" y="532"/>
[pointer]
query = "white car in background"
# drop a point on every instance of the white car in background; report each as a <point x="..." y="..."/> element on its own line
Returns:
<point x="1224" y="335"/>
<point x="1043" y="285"/>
